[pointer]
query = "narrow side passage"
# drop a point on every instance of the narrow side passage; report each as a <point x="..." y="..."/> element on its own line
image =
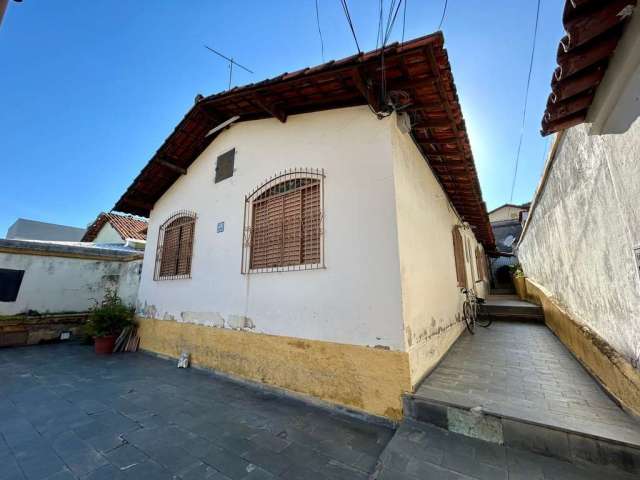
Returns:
<point x="520" y="370"/>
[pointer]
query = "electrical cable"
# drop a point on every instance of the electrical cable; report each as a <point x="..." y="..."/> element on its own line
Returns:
<point x="320" y="32"/>
<point x="526" y="97"/>
<point x="345" y="7"/>
<point x="444" y="12"/>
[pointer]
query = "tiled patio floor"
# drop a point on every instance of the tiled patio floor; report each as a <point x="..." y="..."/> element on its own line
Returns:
<point x="66" y="413"/>
<point x="522" y="371"/>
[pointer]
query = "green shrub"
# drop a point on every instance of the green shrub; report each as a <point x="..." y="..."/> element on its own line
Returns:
<point x="516" y="270"/>
<point x="110" y="316"/>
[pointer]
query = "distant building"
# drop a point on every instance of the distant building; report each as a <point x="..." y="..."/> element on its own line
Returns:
<point x="509" y="211"/>
<point x="506" y="223"/>
<point x="116" y="228"/>
<point x="24" y="229"/>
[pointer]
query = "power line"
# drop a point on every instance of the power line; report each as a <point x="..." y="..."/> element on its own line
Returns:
<point x="391" y="21"/>
<point x="404" y="19"/>
<point x="526" y="97"/>
<point x="444" y="12"/>
<point x="345" y="7"/>
<point x="319" y="32"/>
<point x="379" y="34"/>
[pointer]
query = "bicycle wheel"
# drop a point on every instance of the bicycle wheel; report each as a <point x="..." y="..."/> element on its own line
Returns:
<point x="469" y="319"/>
<point x="484" y="321"/>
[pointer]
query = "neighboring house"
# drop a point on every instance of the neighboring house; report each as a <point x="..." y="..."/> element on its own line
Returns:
<point x="305" y="235"/>
<point x="24" y="229"/>
<point x="580" y="245"/>
<point x="115" y="228"/>
<point x="509" y="212"/>
<point x="506" y="223"/>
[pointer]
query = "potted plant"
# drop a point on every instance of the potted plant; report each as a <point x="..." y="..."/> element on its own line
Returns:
<point x="107" y="319"/>
<point x="518" y="280"/>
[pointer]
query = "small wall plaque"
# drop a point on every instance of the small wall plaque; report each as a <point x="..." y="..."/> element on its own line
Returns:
<point x="220" y="227"/>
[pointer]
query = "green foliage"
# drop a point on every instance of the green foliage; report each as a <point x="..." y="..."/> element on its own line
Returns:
<point x="109" y="316"/>
<point x="516" y="270"/>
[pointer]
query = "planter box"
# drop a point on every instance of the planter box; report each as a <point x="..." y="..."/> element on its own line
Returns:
<point x="31" y="330"/>
<point x="521" y="287"/>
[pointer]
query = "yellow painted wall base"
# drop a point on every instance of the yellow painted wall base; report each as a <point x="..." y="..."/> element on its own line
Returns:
<point x="368" y="379"/>
<point x="612" y="370"/>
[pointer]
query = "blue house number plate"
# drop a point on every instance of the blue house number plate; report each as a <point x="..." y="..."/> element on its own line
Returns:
<point x="220" y="227"/>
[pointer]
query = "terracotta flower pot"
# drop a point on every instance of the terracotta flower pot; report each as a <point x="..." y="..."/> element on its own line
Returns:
<point x="104" y="345"/>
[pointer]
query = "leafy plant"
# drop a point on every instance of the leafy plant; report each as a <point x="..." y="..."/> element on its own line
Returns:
<point x="109" y="316"/>
<point x="516" y="270"/>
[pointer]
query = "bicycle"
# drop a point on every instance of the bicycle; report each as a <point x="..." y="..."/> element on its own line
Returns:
<point x="470" y="311"/>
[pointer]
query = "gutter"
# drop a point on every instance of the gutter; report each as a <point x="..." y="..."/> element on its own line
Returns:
<point x="543" y="181"/>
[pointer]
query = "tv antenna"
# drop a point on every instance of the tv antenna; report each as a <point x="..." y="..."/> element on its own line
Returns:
<point x="231" y="61"/>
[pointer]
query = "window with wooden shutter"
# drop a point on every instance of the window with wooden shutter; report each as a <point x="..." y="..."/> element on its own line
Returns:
<point x="175" y="247"/>
<point x="480" y="264"/>
<point x="458" y="251"/>
<point x="283" y="223"/>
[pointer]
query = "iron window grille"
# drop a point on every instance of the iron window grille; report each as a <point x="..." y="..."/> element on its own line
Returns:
<point x="175" y="247"/>
<point x="284" y="223"/>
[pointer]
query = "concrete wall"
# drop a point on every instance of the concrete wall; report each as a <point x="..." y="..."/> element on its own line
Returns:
<point x="355" y="300"/>
<point x="56" y="284"/>
<point x="431" y="299"/>
<point x="579" y="241"/>
<point x="108" y="234"/>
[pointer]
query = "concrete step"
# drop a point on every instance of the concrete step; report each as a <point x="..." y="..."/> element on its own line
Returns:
<point x="423" y="451"/>
<point x="510" y="306"/>
<point x="617" y="455"/>
<point x="521" y="313"/>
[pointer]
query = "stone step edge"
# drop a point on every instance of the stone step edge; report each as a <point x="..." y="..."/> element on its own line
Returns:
<point x="522" y="434"/>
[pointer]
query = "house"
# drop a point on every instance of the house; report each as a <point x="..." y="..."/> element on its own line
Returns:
<point x="506" y="223"/>
<point x="115" y="228"/>
<point x="24" y="229"/>
<point x="579" y="247"/>
<point x="509" y="212"/>
<point x="313" y="231"/>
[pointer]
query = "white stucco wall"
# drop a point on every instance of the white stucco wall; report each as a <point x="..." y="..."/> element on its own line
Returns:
<point x="431" y="299"/>
<point x="108" y="234"/>
<point x="579" y="240"/>
<point x="59" y="284"/>
<point x="356" y="299"/>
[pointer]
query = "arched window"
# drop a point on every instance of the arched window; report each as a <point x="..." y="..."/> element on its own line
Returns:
<point x="175" y="247"/>
<point x="283" y="223"/>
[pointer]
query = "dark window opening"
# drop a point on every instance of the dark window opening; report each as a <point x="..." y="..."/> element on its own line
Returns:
<point x="10" y="281"/>
<point x="224" y="165"/>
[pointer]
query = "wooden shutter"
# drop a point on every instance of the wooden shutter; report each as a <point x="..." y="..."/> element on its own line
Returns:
<point x="311" y="225"/>
<point x="286" y="228"/>
<point x="458" y="251"/>
<point x="175" y="248"/>
<point x="480" y="264"/>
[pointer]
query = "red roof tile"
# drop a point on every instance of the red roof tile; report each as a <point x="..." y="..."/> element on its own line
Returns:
<point x="127" y="226"/>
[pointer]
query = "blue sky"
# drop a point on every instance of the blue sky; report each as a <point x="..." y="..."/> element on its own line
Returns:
<point x="89" y="90"/>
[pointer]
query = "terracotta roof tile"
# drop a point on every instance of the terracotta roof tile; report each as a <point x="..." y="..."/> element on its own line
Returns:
<point x="127" y="226"/>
